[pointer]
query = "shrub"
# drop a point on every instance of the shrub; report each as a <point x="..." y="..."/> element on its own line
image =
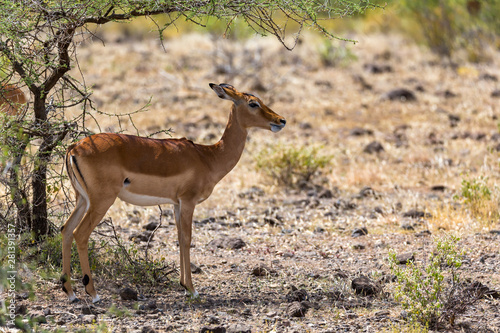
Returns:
<point x="428" y="293"/>
<point x="479" y="199"/>
<point x="291" y="165"/>
<point x="449" y="25"/>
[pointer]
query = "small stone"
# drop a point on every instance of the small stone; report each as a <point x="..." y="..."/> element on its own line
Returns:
<point x="358" y="246"/>
<point x="195" y="269"/>
<point x="227" y="243"/>
<point x="438" y="188"/>
<point x="238" y="328"/>
<point x="89" y="319"/>
<point x="151" y="305"/>
<point x="359" y="232"/>
<point x="326" y="194"/>
<point x="358" y="131"/>
<point x="151" y="226"/>
<point x="415" y="214"/>
<point x="21" y="309"/>
<point x="423" y="233"/>
<point x="373" y="147"/>
<point x="402" y="95"/>
<point x="263" y="270"/>
<point x="148" y="329"/>
<point x="296" y="309"/>
<point x="218" y="329"/>
<point x="365" y="286"/>
<point x="366" y="192"/>
<point x="404" y="258"/>
<point x="128" y="294"/>
<point x="407" y="226"/>
<point x="297" y="295"/>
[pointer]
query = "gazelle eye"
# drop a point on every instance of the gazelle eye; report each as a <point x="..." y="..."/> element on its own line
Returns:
<point x="253" y="104"/>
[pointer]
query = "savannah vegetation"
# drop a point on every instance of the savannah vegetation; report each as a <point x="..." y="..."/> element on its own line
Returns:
<point x="296" y="199"/>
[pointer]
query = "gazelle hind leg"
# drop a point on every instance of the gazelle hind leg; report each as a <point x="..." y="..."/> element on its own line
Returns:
<point x="82" y="234"/>
<point x="67" y="239"/>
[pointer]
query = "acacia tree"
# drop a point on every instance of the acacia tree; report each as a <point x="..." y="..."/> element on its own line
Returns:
<point x="38" y="44"/>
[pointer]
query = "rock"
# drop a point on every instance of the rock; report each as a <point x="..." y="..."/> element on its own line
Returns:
<point x="454" y="120"/>
<point x="358" y="246"/>
<point x="128" y="294"/>
<point x="416" y="214"/>
<point x="319" y="230"/>
<point x="438" y="188"/>
<point x="401" y="94"/>
<point x="21" y="309"/>
<point x="377" y="68"/>
<point x="365" y="286"/>
<point x="374" y="147"/>
<point x="359" y="131"/>
<point x="296" y="309"/>
<point x="263" y="270"/>
<point x="423" y="233"/>
<point x="89" y="319"/>
<point x="305" y="126"/>
<point x="252" y="193"/>
<point x="227" y="243"/>
<point x="406" y="225"/>
<point x="151" y="226"/>
<point x="218" y="329"/>
<point x="238" y="328"/>
<point x="359" y="232"/>
<point x="495" y="93"/>
<point x="297" y="295"/>
<point x="404" y="258"/>
<point x="195" y="269"/>
<point x="273" y="222"/>
<point x="141" y="237"/>
<point x="85" y="309"/>
<point x="495" y="232"/>
<point x="481" y="291"/>
<point x="366" y="192"/>
<point x="326" y="194"/>
<point x="151" y="305"/>
<point x="488" y="77"/>
<point x="346" y="205"/>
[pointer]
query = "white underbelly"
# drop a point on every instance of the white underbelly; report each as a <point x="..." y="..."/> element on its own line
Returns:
<point x="143" y="200"/>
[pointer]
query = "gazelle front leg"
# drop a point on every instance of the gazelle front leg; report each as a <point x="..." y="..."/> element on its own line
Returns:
<point x="184" y="220"/>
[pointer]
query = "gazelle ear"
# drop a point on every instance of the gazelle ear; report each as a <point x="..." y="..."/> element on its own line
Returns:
<point x="219" y="90"/>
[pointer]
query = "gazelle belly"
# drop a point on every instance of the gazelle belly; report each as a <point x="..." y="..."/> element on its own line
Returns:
<point x="142" y="199"/>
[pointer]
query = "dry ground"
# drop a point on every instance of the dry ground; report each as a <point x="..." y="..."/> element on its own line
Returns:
<point x="449" y="133"/>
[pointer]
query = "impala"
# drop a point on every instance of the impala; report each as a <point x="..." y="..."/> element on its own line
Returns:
<point x="11" y="99"/>
<point x="144" y="171"/>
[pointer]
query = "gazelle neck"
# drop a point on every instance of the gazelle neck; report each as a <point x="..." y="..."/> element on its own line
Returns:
<point x="228" y="150"/>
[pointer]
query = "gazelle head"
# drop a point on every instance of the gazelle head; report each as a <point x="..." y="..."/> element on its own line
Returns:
<point x="250" y="110"/>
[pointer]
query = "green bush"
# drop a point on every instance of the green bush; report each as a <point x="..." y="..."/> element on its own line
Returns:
<point x="447" y="26"/>
<point x="423" y="291"/>
<point x="477" y="196"/>
<point x="291" y="165"/>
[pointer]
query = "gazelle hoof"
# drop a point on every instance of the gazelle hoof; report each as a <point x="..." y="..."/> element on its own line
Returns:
<point x="73" y="300"/>
<point x="193" y="296"/>
<point x="96" y="299"/>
